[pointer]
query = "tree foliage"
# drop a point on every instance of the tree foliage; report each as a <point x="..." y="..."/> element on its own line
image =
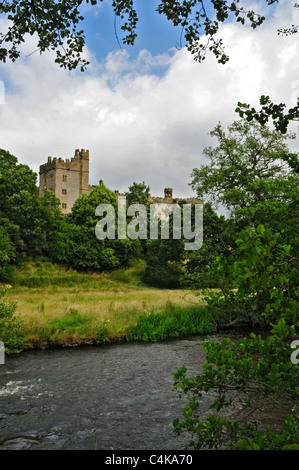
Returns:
<point x="218" y="239"/>
<point x="259" y="281"/>
<point x="249" y="173"/>
<point x="30" y="222"/>
<point x="247" y="167"/>
<point x="271" y="111"/>
<point x="195" y="22"/>
<point x="163" y="262"/>
<point x="258" y="287"/>
<point x="249" y="378"/>
<point x="76" y="242"/>
<point x="58" y="25"/>
<point x="138" y="194"/>
<point x="7" y="255"/>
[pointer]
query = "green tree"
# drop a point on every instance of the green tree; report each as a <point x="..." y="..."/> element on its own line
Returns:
<point x="7" y="256"/>
<point x="258" y="283"/>
<point x="163" y="262"/>
<point x="30" y="221"/>
<point x="138" y="193"/>
<point x="254" y="373"/>
<point x="77" y="244"/>
<point x="218" y="239"/>
<point x="269" y="109"/>
<point x="247" y="380"/>
<point x="248" y="174"/>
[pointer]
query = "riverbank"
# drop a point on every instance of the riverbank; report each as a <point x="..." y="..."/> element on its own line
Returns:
<point x="60" y="308"/>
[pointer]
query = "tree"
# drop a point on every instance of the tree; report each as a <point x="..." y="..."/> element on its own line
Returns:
<point x="248" y="172"/>
<point x="7" y="255"/>
<point x="29" y="221"/>
<point x="138" y="194"/>
<point x="254" y="374"/>
<point x="270" y="110"/>
<point x="218" y="238"/>
<point x="163" y="262"/>
<point x="251" y="174"/>
<point x="247" y="380"/>
<point x="76" y="242"/>
<point x="58" y="25"/>
<point x="259" y="281"/>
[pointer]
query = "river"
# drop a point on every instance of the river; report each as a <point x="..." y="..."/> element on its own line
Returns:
<point x="109" y="397"/>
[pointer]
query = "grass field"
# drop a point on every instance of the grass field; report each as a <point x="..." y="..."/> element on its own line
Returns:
<point x="61" y="307"/>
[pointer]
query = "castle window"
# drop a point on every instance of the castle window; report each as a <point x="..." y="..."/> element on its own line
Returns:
<point x="63" y="205"/>
<point x="64" y="177"/>
<point x="64" y="192"/>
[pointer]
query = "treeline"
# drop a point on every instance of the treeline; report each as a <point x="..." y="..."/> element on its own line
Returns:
<point x="33" y="227"/>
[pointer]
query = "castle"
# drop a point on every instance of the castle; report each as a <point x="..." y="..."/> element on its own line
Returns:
<point x="70" y="178"/>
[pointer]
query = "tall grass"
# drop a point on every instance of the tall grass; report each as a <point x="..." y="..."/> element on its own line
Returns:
<point x="174" y="321"/>
<point x="65" y="308"/>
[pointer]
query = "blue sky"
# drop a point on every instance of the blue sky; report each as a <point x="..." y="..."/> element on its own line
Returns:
<point x="144" y="113"/>
<point x="154" y="32"/>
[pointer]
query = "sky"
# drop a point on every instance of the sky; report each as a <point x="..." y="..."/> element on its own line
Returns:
<point x="144" y="112"/>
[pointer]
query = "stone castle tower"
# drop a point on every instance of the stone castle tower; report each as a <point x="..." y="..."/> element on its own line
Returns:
<point x="68" y="179"/>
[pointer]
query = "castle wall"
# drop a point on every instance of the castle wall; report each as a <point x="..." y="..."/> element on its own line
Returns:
<point x="66" y="179"/>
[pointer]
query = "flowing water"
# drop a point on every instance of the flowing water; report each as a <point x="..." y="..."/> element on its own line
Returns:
<point x="109" y="397"/>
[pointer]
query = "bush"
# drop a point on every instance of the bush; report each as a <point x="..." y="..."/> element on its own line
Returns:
<point x="10" y="333"/>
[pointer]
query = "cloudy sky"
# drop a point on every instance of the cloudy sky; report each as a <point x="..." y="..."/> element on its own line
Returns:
<point x="144" y="112"/>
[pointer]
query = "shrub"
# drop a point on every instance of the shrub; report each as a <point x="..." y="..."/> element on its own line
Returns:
<point x="10" y="333"/>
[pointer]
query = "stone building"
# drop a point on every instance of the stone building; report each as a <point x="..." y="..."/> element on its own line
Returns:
<point x="68" y="179"/>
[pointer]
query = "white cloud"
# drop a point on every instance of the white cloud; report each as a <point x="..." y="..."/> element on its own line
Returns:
<point x="139" y="125"/>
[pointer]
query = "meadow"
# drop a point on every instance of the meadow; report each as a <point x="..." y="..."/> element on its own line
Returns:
<point x="59" y="307"/>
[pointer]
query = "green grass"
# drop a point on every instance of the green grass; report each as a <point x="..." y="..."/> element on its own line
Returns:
<point x="172" y="322"/>
<point x="59" y="307"/>
<point x="44" y="273"/>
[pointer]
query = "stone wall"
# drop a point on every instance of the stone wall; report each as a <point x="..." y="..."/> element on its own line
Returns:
<point x="67" y="179"/>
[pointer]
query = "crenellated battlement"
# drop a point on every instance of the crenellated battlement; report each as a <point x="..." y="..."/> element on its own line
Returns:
<point x="67" y="164"/>
<point x="67" y="179"/>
